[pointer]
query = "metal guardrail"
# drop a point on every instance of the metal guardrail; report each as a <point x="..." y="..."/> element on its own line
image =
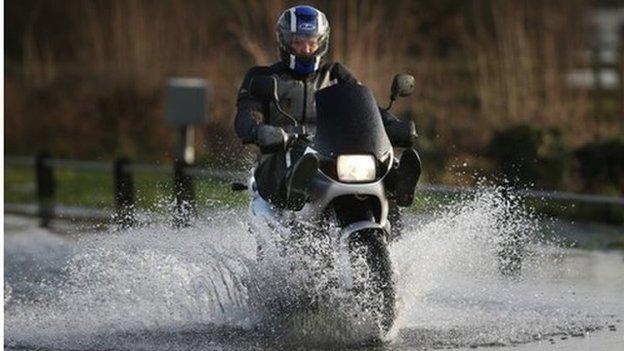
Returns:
<point x="183" y="176"/>
<point x="81" y="165"/>
<point x="216" y="174"/>
<point x="535" y="194"/>
<point x="574" y="197"/>
<point x="101" y="166"/>
<point x="146" y="168"/>
<point x="19" y="160"/>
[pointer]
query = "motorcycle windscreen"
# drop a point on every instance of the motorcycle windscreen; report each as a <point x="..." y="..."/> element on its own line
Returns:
<point x="348" y="122"/>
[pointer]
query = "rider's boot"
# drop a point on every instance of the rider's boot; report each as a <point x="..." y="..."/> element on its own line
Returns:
<point x="298" y="181"/>
<point x="407" y="175"/>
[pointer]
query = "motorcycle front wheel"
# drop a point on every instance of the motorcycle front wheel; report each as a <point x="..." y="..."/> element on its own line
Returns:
<point x="372" y="276"/>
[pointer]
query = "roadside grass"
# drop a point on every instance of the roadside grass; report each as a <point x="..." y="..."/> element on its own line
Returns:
<point x="19" y="184"/>
<point x="574" y="211"/>
<point x="94" y="189"/>
<point x="425" y="201"/>
<point x="602" y="213"/>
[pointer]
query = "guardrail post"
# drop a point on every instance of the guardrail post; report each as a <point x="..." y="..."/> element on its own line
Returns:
<point x="45" y="188"/>
<point x="620" y="69"/>
<point x="124" y="193"/>
<point x="184" y="194"/>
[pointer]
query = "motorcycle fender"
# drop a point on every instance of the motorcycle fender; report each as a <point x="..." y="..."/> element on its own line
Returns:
<point x="343" y="246"/>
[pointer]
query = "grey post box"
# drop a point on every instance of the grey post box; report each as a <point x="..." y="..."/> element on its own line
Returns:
<point x="186" y="101"/>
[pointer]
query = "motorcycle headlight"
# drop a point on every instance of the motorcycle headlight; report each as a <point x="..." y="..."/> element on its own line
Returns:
<point x="356" y="168"/>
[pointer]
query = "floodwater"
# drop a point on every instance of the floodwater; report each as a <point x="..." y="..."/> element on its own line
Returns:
<point x="157" y="288"/>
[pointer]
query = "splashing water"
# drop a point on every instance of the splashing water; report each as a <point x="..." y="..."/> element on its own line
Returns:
<point x="202" y="287"/>
<point x="452" y="290"/>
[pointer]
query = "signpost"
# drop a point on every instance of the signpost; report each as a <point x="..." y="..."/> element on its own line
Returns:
<point x="186" y="105"/>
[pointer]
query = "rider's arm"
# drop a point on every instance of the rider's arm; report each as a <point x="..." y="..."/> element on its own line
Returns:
<point x="341" y="74"/>
<point x="250" y="111"/>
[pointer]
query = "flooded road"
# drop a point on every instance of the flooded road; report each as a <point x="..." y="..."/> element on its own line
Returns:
<point x="156" y="288"/>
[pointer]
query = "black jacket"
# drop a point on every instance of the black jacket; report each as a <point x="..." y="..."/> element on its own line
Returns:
<point x="296" y="96"/>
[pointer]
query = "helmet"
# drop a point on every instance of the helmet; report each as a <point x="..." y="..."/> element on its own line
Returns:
<point x="302" y="22"/>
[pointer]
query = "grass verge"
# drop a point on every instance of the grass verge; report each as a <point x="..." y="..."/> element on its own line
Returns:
<point x="95" y="190"/>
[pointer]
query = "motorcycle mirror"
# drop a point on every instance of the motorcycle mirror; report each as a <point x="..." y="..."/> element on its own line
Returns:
<point x="264" y="88"/>
<point x="402" y="85"/>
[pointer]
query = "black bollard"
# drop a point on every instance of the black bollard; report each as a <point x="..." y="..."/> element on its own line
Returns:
<point x="184" y="194"/>
<point x="124" y="193"/>
<point x="45" y="188"/>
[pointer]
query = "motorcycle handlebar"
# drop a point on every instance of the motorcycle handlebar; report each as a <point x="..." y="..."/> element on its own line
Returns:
<point x="271" y="139"/>
<point x="292" y="138"/>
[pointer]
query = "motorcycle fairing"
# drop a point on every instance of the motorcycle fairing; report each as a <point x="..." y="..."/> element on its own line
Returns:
<point x="348" y="122"/>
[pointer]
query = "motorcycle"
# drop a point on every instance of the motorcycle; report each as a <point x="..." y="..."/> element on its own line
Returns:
<point x="347" y="196"/>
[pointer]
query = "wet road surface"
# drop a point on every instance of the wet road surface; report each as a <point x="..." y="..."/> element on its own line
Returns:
<point x="155" y="288"/>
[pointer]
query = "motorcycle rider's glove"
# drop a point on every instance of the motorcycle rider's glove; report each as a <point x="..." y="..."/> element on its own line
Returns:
<point x="270" y="139"/>
<point x="402" y="133"/>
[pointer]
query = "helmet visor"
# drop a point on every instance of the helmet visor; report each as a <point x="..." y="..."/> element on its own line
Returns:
<point x="306" y="46"/>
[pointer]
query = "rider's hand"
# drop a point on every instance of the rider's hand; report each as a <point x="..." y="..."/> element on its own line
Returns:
<point x="402" y="133"/>
<point x="270" y="139"/>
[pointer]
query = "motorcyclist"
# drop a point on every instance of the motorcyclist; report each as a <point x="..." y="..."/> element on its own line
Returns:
<point x="283" y="176"/>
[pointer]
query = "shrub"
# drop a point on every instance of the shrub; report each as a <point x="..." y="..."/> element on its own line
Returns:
<point x="601" y="166"/>
<point x="528" y="155"/>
